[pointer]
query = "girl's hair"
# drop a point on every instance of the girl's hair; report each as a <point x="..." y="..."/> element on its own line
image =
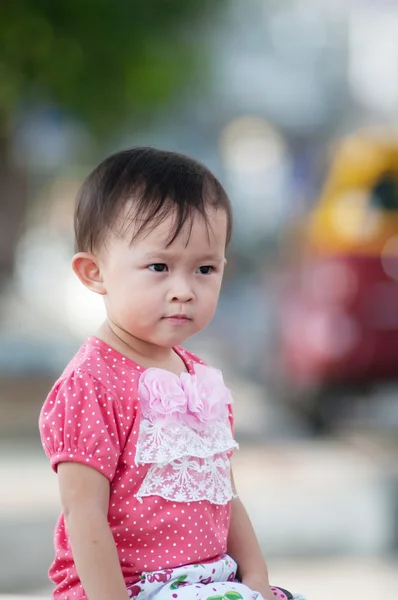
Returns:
<point x="152" y="184"/>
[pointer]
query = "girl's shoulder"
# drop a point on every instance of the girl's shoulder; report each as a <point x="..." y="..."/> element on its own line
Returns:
<point x="95" y="373"/>
<point x="97" y="360"/>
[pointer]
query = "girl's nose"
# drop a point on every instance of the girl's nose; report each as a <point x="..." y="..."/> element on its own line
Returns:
<point x="181" y="291"/>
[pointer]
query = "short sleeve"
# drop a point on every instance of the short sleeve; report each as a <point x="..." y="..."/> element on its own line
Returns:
<point x="82" y="422"/>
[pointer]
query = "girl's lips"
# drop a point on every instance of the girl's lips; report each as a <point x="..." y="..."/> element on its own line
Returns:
<point x="178" y="319"/>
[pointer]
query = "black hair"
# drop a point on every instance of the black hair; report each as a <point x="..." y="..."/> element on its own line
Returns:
<point x="155" y="182"/>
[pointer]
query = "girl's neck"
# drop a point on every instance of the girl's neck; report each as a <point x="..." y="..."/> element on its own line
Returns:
<point x="143" y="353"/>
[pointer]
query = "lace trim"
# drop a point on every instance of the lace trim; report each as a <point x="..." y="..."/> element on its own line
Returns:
<point x="157" y="444"/>
<point x="189" y="479"/>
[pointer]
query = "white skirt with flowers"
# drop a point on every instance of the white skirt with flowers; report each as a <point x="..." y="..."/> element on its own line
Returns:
<point x="209" y="581"/>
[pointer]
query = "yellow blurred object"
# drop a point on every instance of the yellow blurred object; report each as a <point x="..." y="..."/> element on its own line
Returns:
<point x="352" y="215"/>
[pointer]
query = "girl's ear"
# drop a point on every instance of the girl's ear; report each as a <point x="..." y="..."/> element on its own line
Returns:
<point x="85" y="265"/>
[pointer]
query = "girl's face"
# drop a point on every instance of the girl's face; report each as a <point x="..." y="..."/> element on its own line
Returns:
<point x="164" y="295"/>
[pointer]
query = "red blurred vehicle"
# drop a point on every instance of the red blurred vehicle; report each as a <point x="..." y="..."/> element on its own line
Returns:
<point x="337" y="316"/>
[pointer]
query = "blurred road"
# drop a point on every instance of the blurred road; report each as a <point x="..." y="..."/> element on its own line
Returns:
<point x="325" y="511"/>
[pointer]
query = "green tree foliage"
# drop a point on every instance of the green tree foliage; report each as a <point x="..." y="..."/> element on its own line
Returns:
<point x="100" y="60"/>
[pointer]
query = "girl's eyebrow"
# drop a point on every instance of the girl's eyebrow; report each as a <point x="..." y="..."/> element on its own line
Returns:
<point x="211" y="257"/>
<point x="161" y="254"/>
<point x="169" y="254"/>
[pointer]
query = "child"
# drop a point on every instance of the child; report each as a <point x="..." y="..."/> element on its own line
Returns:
<point x="138" y="429"/>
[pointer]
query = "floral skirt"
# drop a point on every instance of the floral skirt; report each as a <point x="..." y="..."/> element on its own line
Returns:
<point x="210" y="581"/>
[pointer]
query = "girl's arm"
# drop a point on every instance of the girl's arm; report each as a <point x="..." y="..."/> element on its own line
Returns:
<point x="245" y="550"/>
<point x="85" y="500"/>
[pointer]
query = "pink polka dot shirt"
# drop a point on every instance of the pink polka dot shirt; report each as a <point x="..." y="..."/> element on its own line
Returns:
<point x="92" y="416"/>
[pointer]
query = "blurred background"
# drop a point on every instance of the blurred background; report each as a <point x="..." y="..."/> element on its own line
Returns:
<point x="294" y="105"/>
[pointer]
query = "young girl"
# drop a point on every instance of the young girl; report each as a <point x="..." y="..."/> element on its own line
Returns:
<point x="138" y="429"/>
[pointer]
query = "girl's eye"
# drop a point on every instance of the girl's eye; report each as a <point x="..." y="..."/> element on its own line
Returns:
<point x="205" y="270"/>
<point x="158" y="267"/>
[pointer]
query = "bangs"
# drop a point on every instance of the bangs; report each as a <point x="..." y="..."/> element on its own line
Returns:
<point x="153" y="206"/>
